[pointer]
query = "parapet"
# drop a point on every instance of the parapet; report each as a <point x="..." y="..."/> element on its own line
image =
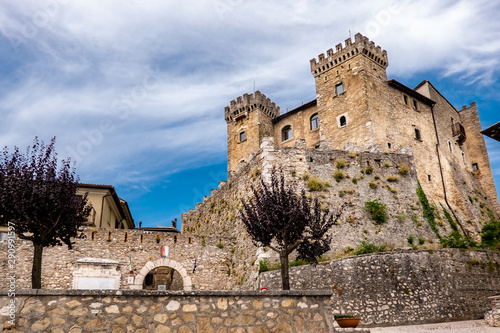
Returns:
<point x="361" y="45"/>
<point x="248" y="103"/>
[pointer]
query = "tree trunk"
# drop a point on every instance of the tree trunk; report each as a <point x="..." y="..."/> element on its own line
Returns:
<point x="36" y="270"/>
<point x="285" y="278"/>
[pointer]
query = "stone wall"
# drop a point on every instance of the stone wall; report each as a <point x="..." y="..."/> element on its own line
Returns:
<point x="366" y="176"/>
<point x="173" y="312"/>
<point x="404" y="287"/>
<point x="142" y="248"/>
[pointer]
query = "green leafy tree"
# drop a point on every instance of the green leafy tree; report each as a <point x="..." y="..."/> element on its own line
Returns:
<point x="279" y="217"/>
<point x="39" y="198"/>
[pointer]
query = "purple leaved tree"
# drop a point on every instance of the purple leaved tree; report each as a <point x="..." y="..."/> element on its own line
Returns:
<point x="39" y="198"/>
<point x="281" y="218"/>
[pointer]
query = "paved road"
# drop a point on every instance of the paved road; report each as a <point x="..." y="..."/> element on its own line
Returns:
<point x="469" y="326"/>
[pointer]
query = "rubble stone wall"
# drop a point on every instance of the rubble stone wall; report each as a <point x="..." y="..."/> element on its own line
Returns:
<point x="174" y="312"/>
<point x="404" y="287"/>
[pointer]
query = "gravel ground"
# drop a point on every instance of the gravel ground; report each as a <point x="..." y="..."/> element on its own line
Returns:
<point x="469" y="326"/>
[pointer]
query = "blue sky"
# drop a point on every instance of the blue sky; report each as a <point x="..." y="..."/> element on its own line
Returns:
<point x="135" y="91"/>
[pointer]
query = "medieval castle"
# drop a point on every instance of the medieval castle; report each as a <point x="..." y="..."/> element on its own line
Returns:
<point x="358" y="109"/>
<point x="363" y="138"/>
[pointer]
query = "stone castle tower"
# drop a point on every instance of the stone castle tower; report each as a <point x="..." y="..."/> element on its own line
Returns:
<point x="358" y="109"/>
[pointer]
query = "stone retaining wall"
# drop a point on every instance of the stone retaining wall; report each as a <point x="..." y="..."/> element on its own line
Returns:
<point x="404" y="287"/>
<point x="77" y="311"/>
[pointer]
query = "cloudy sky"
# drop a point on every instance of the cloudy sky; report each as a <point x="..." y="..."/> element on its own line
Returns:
<point x="135" y="90"/>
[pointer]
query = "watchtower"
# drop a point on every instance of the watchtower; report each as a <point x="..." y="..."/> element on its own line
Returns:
<point x="349" y="83"/>
<point x="249" y="119"/>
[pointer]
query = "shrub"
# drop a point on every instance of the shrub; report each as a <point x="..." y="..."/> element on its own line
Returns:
<point x="368" y="247"/>
<point x="373" y="184"/>
<point x="392" y="179"/>
<point x="339" y="175"/>
<point x="376" y="210"/>
<point x="340" y="163"/>
<point x="355" y="180"/>
<point x="421" y="241"/>
<point x="352" y="154"/>
<point x="220" y="245"/>
<point x="263" y="266"/>
<point x="305" y="177"/>
<point x="410" y="239"/>
<point x="293" y="173"/>
<point x="456" y="240"/>
<point x="387" y="164"/>
<point x="203" y="242"/>
<point x="369" y="170"/>
<point x="393" y="189"/>
<point x="404" y="169"/>
<point x="490" y="234"/>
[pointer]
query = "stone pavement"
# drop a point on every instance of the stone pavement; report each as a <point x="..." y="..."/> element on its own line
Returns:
<point x="469" y="326"/>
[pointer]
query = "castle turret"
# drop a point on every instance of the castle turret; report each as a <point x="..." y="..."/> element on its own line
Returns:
<point x="249" y="119"/>
<point x="349" y="83"/>
<point x="361" y="45"/>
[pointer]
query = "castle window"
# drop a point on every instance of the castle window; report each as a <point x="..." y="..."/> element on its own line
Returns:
<point x="389" y="145"/>
<point x="343" y="121"/>
<point x="405" y="99"/>
<point x="418" y="136"/>
<point x="339" y="88"/>
<point x="415" y="104"/>
<point x="243" y="136"/>
<point x="429" y="177"/>
<point x="475" y="167"/>
<point x="314" y="121"/>
<point x="286" y="133"/>
<point x="463" y="157"/>
<point x="449" y="146"/>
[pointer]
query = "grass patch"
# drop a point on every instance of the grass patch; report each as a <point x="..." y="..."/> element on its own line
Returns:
<point x="403" y="169"/>
<point x="392" y="179"/>
<point x="339" y="175"/>
<point x="341" y="163"/>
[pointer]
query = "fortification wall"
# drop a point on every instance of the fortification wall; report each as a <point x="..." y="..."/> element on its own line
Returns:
<point x="139" y="247"/>
<point x="404" y="287"/>
<point x="366" y="176"/>
<point x="175" y="312"/>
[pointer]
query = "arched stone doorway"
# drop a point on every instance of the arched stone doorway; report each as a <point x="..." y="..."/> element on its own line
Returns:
<point x="163" y="262"/>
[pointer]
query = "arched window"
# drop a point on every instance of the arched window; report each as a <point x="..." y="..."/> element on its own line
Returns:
<point x="286" y="133"/>
<point x="343" y="121"/>
<point x="314" y="121"/>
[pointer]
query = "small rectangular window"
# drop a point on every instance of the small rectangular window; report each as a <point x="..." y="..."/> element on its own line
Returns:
<point x="417" y="134"/>
<point x="389" y="145"/>
<point x="415" y="104"/>
<point x="429" y="177"/>
<point x="339" y="88"/>
<point x="475" y="167"/>
<point x="242" y="136"/>
<point x="405" y="99"/>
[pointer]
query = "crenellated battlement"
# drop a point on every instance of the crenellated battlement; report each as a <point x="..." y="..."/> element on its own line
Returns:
<point x="361" y="45"/>
<point x="249" y="102"/>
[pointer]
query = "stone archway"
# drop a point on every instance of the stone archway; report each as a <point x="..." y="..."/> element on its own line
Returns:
<point x="163" y="262"/>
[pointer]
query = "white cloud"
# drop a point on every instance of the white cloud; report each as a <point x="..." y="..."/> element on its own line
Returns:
<point x="77" y="61"/>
